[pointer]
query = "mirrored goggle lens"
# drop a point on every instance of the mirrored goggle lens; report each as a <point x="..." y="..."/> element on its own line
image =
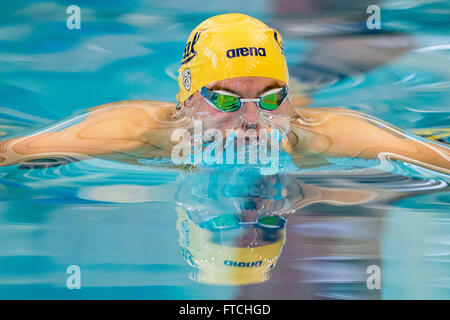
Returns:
<point x="272" y="222"/>
<point x="224" y="221"/>
<point x="272" y="101"/>
<point x="226" y="103"/>
<point x="223" y="102"/>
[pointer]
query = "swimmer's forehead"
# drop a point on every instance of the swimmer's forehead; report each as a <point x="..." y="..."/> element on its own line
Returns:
<point x="246" y="86"/>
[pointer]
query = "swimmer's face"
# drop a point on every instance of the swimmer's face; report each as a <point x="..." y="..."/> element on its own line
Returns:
<point x="249" y="114"/>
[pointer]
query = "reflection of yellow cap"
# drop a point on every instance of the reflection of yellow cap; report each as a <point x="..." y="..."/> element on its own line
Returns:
<point x="225" y="265"/>
<point x="228" y="46"/>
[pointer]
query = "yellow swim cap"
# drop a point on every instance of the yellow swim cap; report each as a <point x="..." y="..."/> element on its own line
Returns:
<point x="219" y="264"/>
<point x="229" y="46"/>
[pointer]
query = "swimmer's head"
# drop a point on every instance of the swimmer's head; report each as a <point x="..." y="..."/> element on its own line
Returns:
<point x="230" y="46"/>
<point x="235" y="55"/>
<point x="229" y="249"/>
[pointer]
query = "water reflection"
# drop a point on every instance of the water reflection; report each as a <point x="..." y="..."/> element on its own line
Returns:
<point x="232" y="231"/>
<point x="230" y="250"/>
<point x="125" y="225"/>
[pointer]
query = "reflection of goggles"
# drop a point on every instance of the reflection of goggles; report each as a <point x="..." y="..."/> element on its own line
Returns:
<point x="228" y="103"/>
<point x="229" y="221"/>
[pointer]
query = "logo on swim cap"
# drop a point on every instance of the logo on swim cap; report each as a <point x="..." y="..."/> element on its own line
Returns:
<point x="243" y="52"/>
<point x="186" y="75"/>
<point x="243" y="264"/>
<point x="189" y="50"/>
<point x="278" y="40"/>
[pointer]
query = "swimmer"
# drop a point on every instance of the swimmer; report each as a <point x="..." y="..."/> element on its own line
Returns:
<point x="233" y="74"/>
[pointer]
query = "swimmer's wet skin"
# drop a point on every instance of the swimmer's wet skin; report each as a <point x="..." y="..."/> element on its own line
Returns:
<point x="248" y="66"/>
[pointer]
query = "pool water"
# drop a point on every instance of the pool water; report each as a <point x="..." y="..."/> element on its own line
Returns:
<point x="118" y="222"/>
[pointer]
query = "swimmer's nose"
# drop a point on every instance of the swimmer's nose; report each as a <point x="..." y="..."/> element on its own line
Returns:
<point x="250" y="115"/>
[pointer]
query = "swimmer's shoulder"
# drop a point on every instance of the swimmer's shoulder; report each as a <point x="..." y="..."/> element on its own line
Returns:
<point x="138" y="110"/>
<point x="321" y="114"/>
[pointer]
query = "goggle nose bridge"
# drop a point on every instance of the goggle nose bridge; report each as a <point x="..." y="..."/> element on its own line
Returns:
<point x="249" y="100"/>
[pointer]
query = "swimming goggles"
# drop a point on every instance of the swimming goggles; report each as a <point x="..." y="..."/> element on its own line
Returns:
<point x="229" y="221"/>
<point x="229" y="103"/>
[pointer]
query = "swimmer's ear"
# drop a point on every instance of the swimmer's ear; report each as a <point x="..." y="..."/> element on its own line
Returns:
<point x="180" y="105"/>
<point x="183" y="104"/>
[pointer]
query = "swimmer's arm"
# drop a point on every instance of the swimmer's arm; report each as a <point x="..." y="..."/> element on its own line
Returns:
<point x="356" y="135"/>
<point x="105" y="130"/>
